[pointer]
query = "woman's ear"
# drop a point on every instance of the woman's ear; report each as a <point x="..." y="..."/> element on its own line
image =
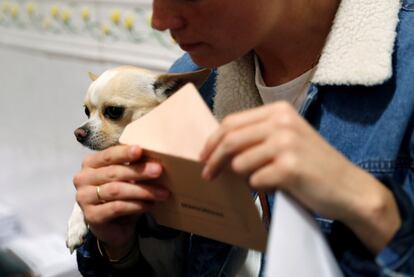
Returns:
<point x="167" y="84"/>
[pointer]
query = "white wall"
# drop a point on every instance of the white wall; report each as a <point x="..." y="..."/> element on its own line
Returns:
<point x="44" y="62"/>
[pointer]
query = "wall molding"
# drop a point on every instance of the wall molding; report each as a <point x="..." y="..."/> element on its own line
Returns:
<point x="105" y="31"/>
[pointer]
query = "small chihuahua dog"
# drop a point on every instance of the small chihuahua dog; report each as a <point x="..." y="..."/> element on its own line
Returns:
<point x="114" y="99"/>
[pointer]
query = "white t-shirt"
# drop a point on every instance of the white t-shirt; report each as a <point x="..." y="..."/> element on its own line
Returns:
<point x="294" y="92"/>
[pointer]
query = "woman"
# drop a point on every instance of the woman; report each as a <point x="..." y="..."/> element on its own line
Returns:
<point x="335" y="133"/>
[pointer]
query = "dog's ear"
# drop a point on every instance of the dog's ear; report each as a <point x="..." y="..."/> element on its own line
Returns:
<point x="92" y="76"/>
<point x="167" y="84"/>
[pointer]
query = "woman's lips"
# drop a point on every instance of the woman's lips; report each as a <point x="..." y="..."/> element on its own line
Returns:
<point x="188" y="47"/>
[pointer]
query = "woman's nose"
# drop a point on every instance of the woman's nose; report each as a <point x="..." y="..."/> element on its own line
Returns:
<point x="165" y="16"/>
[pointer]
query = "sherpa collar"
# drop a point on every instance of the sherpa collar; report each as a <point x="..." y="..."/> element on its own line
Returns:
<point x="358" y="51"/>
<point x="359" y="47"/>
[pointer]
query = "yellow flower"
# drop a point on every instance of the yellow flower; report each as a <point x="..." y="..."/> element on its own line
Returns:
<point x="5" y="7"/>
<point x="46" y="23"/>
<point x="149" y="20"/>
<point x="15" y="11"/>
<point x="129" y="22"/>
<point x="54" y="11"/>
<point x="116" y="16"/>
<point x="86" y="14"/>
<point x="30" y="8"/>
<point x="105" y="29"/>
<point x="66" y="16"/>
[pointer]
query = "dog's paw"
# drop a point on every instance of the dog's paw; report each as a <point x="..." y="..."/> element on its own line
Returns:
<point x="77" y="229"/>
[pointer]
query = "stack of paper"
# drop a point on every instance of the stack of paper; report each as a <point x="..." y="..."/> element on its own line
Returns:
<point x="10" y="226"/>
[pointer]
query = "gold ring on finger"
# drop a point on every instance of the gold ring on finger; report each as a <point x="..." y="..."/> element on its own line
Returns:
<point x="98" y="195"/>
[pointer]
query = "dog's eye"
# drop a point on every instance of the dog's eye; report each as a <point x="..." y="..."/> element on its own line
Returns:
<point x="87" y="112"/>
<point x="113" y="113"/>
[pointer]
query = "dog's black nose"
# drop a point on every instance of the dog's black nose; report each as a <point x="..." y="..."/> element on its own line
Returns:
<point x="81" y="134"/>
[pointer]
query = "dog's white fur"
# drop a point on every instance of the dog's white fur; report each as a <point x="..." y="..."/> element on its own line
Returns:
<point x="133" y="90"/>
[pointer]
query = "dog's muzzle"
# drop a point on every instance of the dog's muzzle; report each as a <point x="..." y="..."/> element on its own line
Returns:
<point x="81" y="134"/>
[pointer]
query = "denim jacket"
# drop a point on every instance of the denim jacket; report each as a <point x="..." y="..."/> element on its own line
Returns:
<point x="361" y="101"/>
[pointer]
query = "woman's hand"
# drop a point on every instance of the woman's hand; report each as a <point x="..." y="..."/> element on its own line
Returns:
<point x="277" y="149"/>
<point x="112" y="211"/>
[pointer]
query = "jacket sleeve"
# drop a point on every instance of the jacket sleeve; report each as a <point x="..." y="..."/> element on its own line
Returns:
<point x="397" y="258"/>
<point x="92" y="264"/>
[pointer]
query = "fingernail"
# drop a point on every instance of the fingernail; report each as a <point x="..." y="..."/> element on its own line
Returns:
<point x="154" y="169"/>
<point x="206" y="174"/>
<point x="162" y="194"/>
<point x="134" y="151"/>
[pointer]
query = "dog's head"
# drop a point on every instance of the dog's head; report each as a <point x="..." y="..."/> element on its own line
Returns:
<point x="123" y="94"/>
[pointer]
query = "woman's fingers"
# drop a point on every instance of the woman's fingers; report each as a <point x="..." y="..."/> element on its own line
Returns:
<point x="119" y="154"/>
<point x="136" y="172"/>
<point x="240" y="131"/>
<point x="232" y="143"/>
<point x="103" y="213"/>
<point x="117" y="199"/>
<point x="253" y="158"/>
<point x="91" y="195"/>
<point x="233" y="122"/>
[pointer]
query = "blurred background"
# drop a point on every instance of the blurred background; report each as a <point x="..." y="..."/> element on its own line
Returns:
<point x="46" y="50"/>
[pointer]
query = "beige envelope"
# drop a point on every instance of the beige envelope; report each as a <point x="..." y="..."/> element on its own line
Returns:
<point x="175" y="133"/>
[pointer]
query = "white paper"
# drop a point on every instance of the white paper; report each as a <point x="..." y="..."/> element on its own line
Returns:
<point x="296" y="246"/>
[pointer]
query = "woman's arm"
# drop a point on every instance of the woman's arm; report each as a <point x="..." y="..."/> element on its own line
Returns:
<point x="277" y="149"/>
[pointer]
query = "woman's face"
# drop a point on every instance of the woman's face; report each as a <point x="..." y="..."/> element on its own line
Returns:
<point x="215" y="32"/>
